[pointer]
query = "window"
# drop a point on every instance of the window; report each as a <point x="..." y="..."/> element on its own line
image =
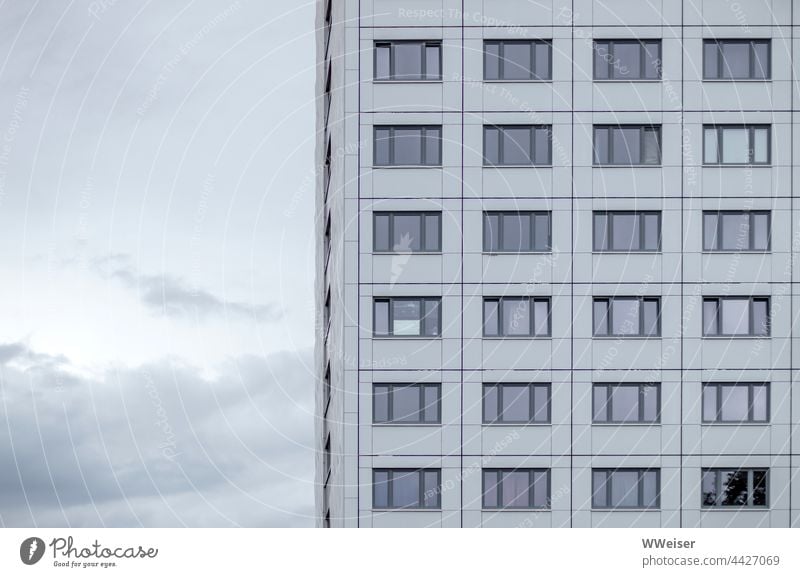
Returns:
<point x="328" y="23"/>
<point x="407" y="317"/>
<point x="516" y="403"/>
<point x="326" y="524"/>
<point x="407" y="232"/>
<point x="326" y="173"/>
<point x="516" y="317"/>
<point x="736" y="144"/>
<point x="406" y="488"/>
<point x="736" y="316"/>
<point x="326" y="458"/>
<point x="627" y="145"/>
<point x="516" y="231"/>
<point x="517" y="60"/>
<point x="408" y="60"/>
<point x="516" y="145"/>
<point x="734" y="487"/>
<point x="406" y="403"/>
<point x="627" y="59"/>
<point x="516" y="488"/>
<point x="626" y="488"/>
<point x="736" y="59"/>
<point x="736" y="402"/>
<point x="326" y="314"/>
<point x="627" y="316"/>
<point x="736" y="230"/>
<point x="408" y="146"/>
<point x="326" y="384"/>
<point x="627" y="231"/>
<point x="626" y="403"/>
<point x="326" y="242"/>
<point x="328" y="95"/>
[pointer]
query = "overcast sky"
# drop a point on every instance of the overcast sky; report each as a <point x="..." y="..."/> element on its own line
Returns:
<point x="156" y="308"/>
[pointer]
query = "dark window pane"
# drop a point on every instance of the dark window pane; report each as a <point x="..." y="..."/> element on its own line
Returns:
<point x="432" y="328"/>
<point x="710" y="54"/>
<point x="761" y="231"/>
<point x="625" y="316"/>
<point x="541" y="318"/>
<point x="601" y="155"/>
<point x="710" y="146"/>
<point x="601" y="317"/>
<point x="735" y="231"/>
<point x="490" y="317"/>
<point x="407" y="315"/>
<point x="759" y="488"/>
<point x="760" y="317"/>
<point x="734" y="402"/>
<point x="517" y="61"/>
<point x="652" y="63"/>
<point x="432" y="59"/>
<point x="541" y="231"/>
<point x="652" y="147"/>
<point x="710" y="318"/>
<point x="652" y="232"/>
<point x="381" y="232"/>
<point x="599" y="491"/>
<point x="407" y="146"/>
<point x="516" y="403"/>
<point x="625" y="403"/>
<point x="407" y="61"/>
<point x="380" y="481"/>
<point x="625" y="488"/>
<point x="761" y="60"/>
<point x="432" y="232"/>
<point x="491" y="145"/>
<point x="515" y="489"/>
<point x="492" y="61"/>
<point x="382" y="146"/>
<point x="516" y="145"/>
<point x="381" y="404"/>
<point x="760" y="402"/>
<point x="710" y="403"/>
<point x="600" y="232"/>
<point x="541" y="402"/>
<point x="491" y="232"/>
<point x="650" y="396"/>
<point x="601" y="60"/>
<point x="710" y="231"/>
<point x="516" y="317"/>
<point x="490" y="489"/>
<point x="761" y="145"/>
<point x="433" y="146"/>
<point x="407" y="233"/>
<point x="650" y="489"/>
<point x="431" y="489"/>
<point x="516" y="232"/>
<point x="625" y="227"/>
<point x="650" y="320"/>
<point x="431" y="404"/>
<point x="382" y="56"/>
<point x="625" y="142"/>
<point x="542" y="146"/>
<point x="406" y="404"/>
<point x="542" y="61"/>
<point x="709" y="488"/>
<point x="541" y="498"/>
<point x="599" y="400"/>
<point x="733" y="487"/>
<point x="490" y="403"/>
<point x="381" y="320"/>
<point x="627" y="60"/>
<point x="735" y="59"/>
<point x="405" y="489"/>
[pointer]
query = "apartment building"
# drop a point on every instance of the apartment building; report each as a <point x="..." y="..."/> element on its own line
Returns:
<point x="557" y="247"/>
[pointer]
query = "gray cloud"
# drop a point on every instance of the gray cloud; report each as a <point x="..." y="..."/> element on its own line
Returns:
<point x="157" y="445"/>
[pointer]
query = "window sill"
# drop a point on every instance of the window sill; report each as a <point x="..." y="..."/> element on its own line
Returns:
<point x="627" y="166"/>
<point x="735" y="251"/>
<point x="729" y="508"/>
<point x="405" y="166"/>
<point x="516" y="510"/>
<point x="519" y="81"/>
<point x="517" y="425"/>
<point x="735" y="423"/>
<point x="407" y="510"/>
<point x="625" y="509"/>
<point x="737" y="337"/>
<point x="632" y="424"/>
<point x="736" y="165"/>
<point x="627" y="252"/>
<point x="415" y="81"/>
<point x="626" y="338"/>
<point x="409" y="253"/>
<point x="626" y="80"/>
<point x="517" y="166"/>
<point x="518" y="338"/>
<point x="515" y="253"/>
<point x="404" y="425"/>
<point x="410" y="338"/>
<point x="729" y="80"/>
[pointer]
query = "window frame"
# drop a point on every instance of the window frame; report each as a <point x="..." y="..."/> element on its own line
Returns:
<point x="531" y="329"/>
<point x="533" y="76"/>
<point x="532" y="409"/>
<point x="751" y="128"/>
<point x="656" y="128"/>
<point x="750" y="334"/>
<point x="532" y="214"/>
<point x="610" y="387"/>
<point x="609" y="317"/>
<point x="609" y="472"/>
<point x="424" y="63"/>
<point x="390" y="420"/>
<point x="421" y="497"/>
<point x="422" y="214"/>
<point x="751" y="232"/>
<point x="718" y="486"/>
<point x="718" y="43"/>
<point x="612" y="42"/>
<point x="751" y="386"/>
<point x="609" y="214"/>
<point x="533" y="128"/>
<point x="532" y="472"/>
<point x="423" y="128"/>
<point x="390" y="319"/>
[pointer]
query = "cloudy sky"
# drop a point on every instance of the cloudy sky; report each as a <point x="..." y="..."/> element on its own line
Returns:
<point x="156" y="208"/>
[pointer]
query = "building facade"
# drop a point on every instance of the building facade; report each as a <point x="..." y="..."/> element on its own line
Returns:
<point x="557" y="257"/>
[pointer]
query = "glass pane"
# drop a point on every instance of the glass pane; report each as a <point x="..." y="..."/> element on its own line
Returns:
<point x="627" y="60"/>
<point x="491" y="232"/>
<point x="709" y="231"/>
<point x="381" y="404"/>
<point x="405" y="489"/>
<point x="710" y="156"/>
<point x="599" y="401"/>
<point x="490" y="318"/>
<point x="652" y="147"/>
<point x="516" y="232"/>
<point x="652" y="232"/>
<point x="735" y="316"/>
<point x="709" y="488"/>
<point x="432" y="227"/>
<point x="541" y="313"/>
<point x="760" y="231"/>
<point x="735" y="146"/>
<point x="516" y="145"/>
<point x="491" y="61"/>
<point x="541" y="402"/>
<point x="761" y="145"/>
<point x="710" y="53"/>
<point x="432" y="71"/>
<point x="710" y="403"/>
<point x="761" y="60"/>
<point x="407" y="233"/>
<point x="650" y="320"/>
<point x="516" y="403"/>
<point x="734" y="400"/>
<point x="380" y="490"/>
<point x="625" y="231"/>
<point x="382" y="141"/>
<point x="381" y="223"/>
<point x="735" y="231"/>
<point x="407" y="61"/>
<point x="652" y="63"/>
<point x="407" y="146"/>
<point x="760" y="317"/>
<point x="515" y="489"/>
<point x="650" y="399"/>
<point x="600" y="232"/>
<point x="432" y="319"/>
<point x="734" y="487"/>
<point x="625" y="488"/>
<point x="491" y="145"/>
<point x="735" y="59"/>
<point x="517" y="61"/>
<point x="433" y="146"/>
<point x="542" y="62"/>
<point x="759" y="488"/>
<point x="625" y="403"/>
<point x="382" y="55"/>
<point x="625" y="142"/>
<point x="601" y="146"/>
<point x="601" y="60"/>
<point x="516" y="317"/>
<point x="431" y="403"/>
<point x="381" y="320"/>
<point x="541" y="232"/>
<point x="650" y="489"/>
<point x="407" y="315"/>
<point x="760" y="402"/>
<point x="431" y="489"/>
<point x="710" y="324"/>
<point x="489" y="403"/>
<point x="625" y="316"/>
<point x="542" y="146"/>
<point x="601" y="317"/>
<point x="406" y="404"/>
<point x="490" y="489"/>
<point x="540" y="496"/>
<point x="599" y="494"/>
